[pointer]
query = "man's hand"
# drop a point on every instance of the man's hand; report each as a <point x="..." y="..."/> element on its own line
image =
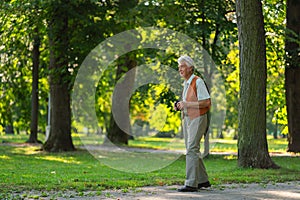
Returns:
<point x="176" y="106"/>
<point x="180" y="105"/>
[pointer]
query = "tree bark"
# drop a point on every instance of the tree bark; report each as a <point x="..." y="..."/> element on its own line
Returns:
<point x="60" y="120"/>
<point x="60" y="81"/>
<point x="115" y="134"/>
<point x="33" y="138"/>
<point x="252" y="140"/>
<point x="292" y="75"/>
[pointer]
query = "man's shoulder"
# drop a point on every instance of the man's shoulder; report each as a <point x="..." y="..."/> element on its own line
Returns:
<point x="198" y="79"/>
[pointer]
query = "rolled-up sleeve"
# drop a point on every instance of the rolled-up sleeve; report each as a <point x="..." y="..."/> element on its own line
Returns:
<point x="202" y="92"/>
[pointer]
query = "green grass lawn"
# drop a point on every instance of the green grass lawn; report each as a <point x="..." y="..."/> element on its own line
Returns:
<point x="216" y="145"/>
<point x="25" y="167"/>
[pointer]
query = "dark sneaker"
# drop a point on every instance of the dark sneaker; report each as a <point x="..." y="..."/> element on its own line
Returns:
<point x="204" y="185"/>
<point x="187" y="189"/>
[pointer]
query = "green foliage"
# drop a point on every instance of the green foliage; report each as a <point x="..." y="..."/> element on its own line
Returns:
<point x="18" y="22"/>
<point x="232" y="87"/>
<point x="211" y="23"/>
<point x="274" y="13"/>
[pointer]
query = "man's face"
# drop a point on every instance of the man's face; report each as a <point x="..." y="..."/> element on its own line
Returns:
<point x="184" y="70"/>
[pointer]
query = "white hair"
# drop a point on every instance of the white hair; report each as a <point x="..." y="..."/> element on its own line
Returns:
<point x="188" y="60"/>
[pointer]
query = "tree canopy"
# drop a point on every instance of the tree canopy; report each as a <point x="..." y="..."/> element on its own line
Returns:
<point x="69" y="30"/>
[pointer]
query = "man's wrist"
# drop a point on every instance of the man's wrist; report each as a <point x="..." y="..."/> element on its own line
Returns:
<point x="185" y="104"/>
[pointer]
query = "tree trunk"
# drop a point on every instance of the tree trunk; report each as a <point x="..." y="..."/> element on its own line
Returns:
<point x="60" y="112"/>
<point x="292" y="75"/>
<point x="33" y="138"/>
<point x="252" y="140"/>
<point x="60" y="120"/>
<point x="115" y="134"/>
<point x="207" y="74"/>
<point x="9" y="129"/>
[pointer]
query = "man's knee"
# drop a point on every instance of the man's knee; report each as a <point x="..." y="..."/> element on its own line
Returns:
<point x="192" y="151"/>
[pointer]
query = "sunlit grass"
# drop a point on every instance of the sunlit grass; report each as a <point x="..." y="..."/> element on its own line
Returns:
<point x="25" y="167"/>
<point x="4" y="157"/>
<point x="59" y="159"/>
<point x="31" y="149"/>
<point x="216" y="145"/>
<point x="278" y="145"/>
<point x="230" y="157"/>
<point x="18" y="138"/>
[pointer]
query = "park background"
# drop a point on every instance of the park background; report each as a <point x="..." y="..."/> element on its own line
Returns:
<point x="43" y="44"/>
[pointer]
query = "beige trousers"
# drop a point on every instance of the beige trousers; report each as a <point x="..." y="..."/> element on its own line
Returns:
<point x="193" y="131"/>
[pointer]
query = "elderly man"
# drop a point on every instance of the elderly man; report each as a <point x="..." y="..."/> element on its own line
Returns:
<point x="194" y="107"/>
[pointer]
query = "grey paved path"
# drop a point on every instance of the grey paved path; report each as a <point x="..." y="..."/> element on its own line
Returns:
<point x="284" y="191"/>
